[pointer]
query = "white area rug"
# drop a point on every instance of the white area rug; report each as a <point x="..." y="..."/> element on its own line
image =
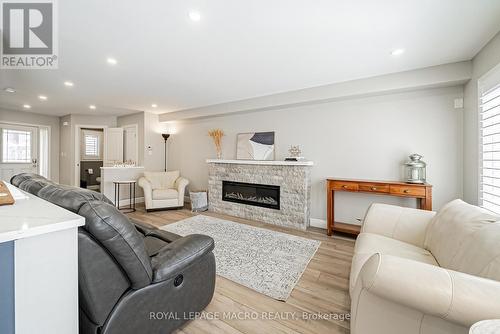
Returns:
<point x="266" y="261"/>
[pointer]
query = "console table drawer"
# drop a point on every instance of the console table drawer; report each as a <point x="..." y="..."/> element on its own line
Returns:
<point x="349" y="186"/>
<point x="374" y="188"/>
<point x="408" y="191"/>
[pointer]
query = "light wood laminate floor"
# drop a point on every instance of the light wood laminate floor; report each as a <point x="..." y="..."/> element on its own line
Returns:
<point x="316" y="302"/>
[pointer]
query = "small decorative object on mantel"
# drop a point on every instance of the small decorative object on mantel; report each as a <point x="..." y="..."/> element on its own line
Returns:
<point x="295" y="152"/>
<point x="415" y="169"/>
<point x="217" y="135"/>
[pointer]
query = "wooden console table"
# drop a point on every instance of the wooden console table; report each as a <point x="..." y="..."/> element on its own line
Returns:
<point x="422" y="192"/>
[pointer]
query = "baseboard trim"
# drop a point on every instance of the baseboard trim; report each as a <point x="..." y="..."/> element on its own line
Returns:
<point x="165" y="209"/>
<point x="126" y="201"/>
<point x="319" y="223"/>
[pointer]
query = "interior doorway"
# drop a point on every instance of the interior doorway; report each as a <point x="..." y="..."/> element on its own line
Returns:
<point x="89" y="156"/>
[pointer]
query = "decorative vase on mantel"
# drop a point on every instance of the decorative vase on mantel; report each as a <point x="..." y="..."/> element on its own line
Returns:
<point x="217" y="135"/>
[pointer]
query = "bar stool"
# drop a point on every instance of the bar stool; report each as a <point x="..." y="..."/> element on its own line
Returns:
<point x="131" y="184"/>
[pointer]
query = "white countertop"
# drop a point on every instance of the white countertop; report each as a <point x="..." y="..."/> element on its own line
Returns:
<point x="34" y="216"/>
<point x="262" y="162"/>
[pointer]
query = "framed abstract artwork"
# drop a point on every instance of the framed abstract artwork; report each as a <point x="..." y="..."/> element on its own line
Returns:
<point x="255" y="146"/>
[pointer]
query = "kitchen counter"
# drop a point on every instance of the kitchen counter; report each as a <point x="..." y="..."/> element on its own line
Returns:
<point x="31" y="216"/>
<point x="38" y="267"/>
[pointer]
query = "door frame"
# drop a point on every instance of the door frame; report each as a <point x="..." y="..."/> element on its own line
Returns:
<point x="77" y="160"/>
<point x="49" y="149"/>
<point x="136" y="127"/>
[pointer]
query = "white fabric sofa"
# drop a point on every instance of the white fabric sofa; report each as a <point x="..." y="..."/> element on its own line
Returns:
<point x="416" y="271"/>
<point x="163" y="190"/>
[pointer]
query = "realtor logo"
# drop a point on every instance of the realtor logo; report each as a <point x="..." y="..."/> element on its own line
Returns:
<point x="28" y="35"/>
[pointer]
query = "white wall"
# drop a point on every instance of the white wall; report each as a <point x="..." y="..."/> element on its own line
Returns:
<point x="365" y="138"/>
<point x="37" y="119"/>
<point x="484" y="61"/>
<point x="65" y="150"/>
<point x="154" y="159"/>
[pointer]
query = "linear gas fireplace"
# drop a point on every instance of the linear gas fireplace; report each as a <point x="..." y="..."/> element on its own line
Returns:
<point x="263" y="195"/>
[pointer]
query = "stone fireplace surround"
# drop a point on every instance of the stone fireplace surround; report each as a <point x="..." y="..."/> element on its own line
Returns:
<point x="293" y="178"/>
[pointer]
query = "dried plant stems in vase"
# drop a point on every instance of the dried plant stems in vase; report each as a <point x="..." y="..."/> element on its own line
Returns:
<point x="217" y="135"/>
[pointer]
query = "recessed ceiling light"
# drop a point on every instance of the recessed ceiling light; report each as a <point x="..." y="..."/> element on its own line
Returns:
<point x="68" y="84"/>
<point x="154" y="105"/>
<point x="112" y="61"/>
<point x="397" y="52"/>
<point x="26" y="106"/>
<point x="42" y="97"/>
<point x="194" y="16"/>
<point x="10" y="90"/>
<point x="93" y="107"/>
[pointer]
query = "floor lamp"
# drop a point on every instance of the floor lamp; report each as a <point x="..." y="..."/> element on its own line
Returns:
<point x="165" y="137"/>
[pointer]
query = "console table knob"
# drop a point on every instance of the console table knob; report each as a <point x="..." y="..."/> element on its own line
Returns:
<point x="406" y="191"/>
<point x="374" y="188"/>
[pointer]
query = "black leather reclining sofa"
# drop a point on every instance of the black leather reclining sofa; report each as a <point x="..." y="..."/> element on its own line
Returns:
<point x="133" y="278"/>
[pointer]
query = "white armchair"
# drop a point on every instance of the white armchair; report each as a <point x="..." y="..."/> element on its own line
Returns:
<point x="416" y="271"/>
<point x="163" y="190"/>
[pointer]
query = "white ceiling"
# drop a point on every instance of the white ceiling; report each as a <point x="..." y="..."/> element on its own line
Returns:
<point x="239" y="49"/>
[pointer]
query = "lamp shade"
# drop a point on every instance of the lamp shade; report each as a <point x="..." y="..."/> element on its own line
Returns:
<point x="165" y="135"/>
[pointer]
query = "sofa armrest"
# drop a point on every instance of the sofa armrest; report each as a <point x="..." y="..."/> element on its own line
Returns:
<point x="179" y="254"/>
<point x="142" y="227"/>
<point x="148" y="191"/>
<point x="148" y="230"/>
<point x="181" y="184"/>
<point x="404" y="224"/>
<point x="453" y="296"/>
<point x="144" y="183"/>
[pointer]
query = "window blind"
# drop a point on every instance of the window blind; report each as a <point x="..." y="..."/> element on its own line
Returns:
<point x="489" y="131"/>
<point x="92" y="145"/>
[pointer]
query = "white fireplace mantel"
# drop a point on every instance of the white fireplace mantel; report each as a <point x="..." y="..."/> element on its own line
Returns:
<point x="262" y="162"/>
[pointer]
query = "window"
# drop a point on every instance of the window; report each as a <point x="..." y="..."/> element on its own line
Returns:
<point x="16" y="146"/>
<point x="489" y="127"/>
<point x="92" y="146"/>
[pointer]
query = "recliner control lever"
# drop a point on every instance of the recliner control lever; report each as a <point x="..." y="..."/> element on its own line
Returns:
<point x="178" y="280"/>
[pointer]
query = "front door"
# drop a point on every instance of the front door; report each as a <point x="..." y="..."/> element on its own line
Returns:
<point x="18" y="150"/>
